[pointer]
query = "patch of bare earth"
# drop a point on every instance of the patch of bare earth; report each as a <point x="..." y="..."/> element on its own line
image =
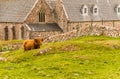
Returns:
<point x="81" y="57"/>
<point x="70" y="47"/>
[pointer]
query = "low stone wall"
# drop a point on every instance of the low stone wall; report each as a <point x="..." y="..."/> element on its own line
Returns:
<point x="99" y="30"/>
<point x="86" y="31"/>
<point x="44" y="34"/>
<point x="62" y="36"/>
<point x="10" y="47"/>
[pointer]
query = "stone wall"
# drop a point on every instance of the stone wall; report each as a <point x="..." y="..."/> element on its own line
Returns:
<point x="10" y="46"/>
<point x="10" y="32"/>
<point x="85" y="31"/>
<point x="61" y="36"/>
<point x="99" y="30"/>
<point x="87" y="28"/>
<point x="60" y="16"/>
<point x="44" y="34"/>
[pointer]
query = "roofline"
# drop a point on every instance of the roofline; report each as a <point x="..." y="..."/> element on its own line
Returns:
<point x="48" y="5"/>
<point x="65" y="11"/>
<point x="31" y="10"/>
<point x="91" y="21"/>
<point x="48" y="31"/>
<point x="11" y="22"/>
<point x="28" y="27"/>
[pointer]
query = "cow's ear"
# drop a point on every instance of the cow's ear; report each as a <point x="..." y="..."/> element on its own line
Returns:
<point x="35" y="40"/>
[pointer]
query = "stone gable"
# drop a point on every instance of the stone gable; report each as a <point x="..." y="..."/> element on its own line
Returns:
<point x="33" y="17"/>
<point x="61" y="16"/>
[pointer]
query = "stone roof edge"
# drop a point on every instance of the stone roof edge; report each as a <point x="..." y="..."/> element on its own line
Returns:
<point x="28" y="27"/>
<point x="65" y="10"/>
<point x="48" y="4"/>
<point x="90" y="21"/>
<point x="30" y="10"/>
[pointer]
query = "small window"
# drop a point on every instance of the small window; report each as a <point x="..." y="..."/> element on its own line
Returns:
<point x="118" y="9"/>
<point x="84" y="10"/>
<point x="95" y="10"/>
<point x="41" y="16"/>
<point x="6" y="33"/>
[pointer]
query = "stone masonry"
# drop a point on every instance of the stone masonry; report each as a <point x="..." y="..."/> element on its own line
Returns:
<point x="85" y="31"/>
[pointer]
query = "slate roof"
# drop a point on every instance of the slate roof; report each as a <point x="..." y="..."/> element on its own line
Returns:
<point x="18" y="10"/>
<point x="44" y="27"/>
<point x="106" y="10"/>
<point x="15" y="10"/>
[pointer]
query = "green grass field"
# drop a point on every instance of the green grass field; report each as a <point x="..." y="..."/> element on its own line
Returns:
<point x="81" y="58"/>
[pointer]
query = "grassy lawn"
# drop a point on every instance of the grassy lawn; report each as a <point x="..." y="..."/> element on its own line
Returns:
<point x="81" y="58"/>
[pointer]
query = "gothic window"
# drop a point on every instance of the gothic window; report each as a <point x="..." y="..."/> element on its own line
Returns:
<point x="13" y="32"/>
<point x="22" y="32"/>
<point x="6" y="33"/>
<point x="84" y="10"/>
<point x="41" y="16"/>
<point x="95" y="10"/>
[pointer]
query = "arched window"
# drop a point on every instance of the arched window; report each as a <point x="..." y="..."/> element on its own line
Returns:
<point x="118" y="9"/>
<point x="13" y="32"/>
<point x="6" y="33"/>
<point x="42" y="16"/>
<point x="84" y="10"/>
<point x="95" y="10"/>
<point x="22" y="32"/>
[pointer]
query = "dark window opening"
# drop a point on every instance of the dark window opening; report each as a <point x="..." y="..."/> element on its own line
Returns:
<point x="95" y="10"/>
<point x="22" y="32"/>
<point x="13" y="32"/>
<point x="42" y="17"/>
<point x="85" y="10"/>
<point x="6" y="33"/>
<point x="119" y="10"/>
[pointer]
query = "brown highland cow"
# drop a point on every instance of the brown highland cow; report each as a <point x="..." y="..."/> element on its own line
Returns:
<point x="32" y="44"/>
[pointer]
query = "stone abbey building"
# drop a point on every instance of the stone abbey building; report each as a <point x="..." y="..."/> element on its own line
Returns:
<point x="25" y="19"/>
